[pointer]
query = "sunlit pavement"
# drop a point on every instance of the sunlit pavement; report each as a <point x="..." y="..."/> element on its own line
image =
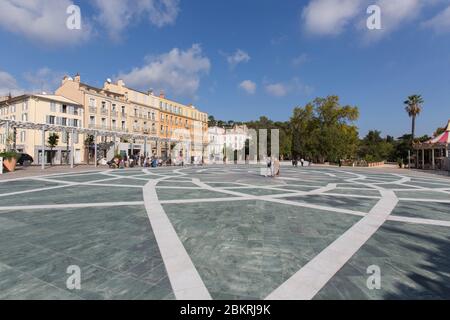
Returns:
<point x="225" y="232"/>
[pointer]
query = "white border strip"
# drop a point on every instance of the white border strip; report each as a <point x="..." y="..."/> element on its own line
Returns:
<point x="310" y="279"/>
<point x="184" y="278"/>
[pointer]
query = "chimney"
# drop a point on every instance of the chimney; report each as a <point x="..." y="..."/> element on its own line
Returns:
<point x="162" y="94"/>
<point x="150" y="92"/>
<point x="77" y="77"/>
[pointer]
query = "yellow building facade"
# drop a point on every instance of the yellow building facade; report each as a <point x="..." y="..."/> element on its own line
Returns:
<point x="116" y="107"/>
<point x="46" y="110"/>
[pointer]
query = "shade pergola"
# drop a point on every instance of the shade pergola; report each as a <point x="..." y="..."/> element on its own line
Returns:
<point x="440" y="144"/>
<point x="11" y="124"/>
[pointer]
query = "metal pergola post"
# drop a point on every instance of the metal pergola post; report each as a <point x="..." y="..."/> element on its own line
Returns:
<point x="145" y="147"/>
<point x="95" y="150"/>
<point x="170" y="150"/>
<point x="43" y="150"/>
<point x="7" y="136"/>
<point x="72" y="149"/>
<point x="115" y="142"/>
<point x="63" y="129"/>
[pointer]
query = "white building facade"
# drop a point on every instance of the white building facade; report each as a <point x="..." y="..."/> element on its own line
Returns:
<point x="221" y="139"/>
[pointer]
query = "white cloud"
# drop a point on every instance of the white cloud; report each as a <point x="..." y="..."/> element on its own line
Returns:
<point x="43" y="79"/>
<point x="238" y="57"/>
<point x="394" y="15"/>
<point x="329" y="17"/>
<point x="116" y="15"/>
<point x="440" y="23"/>
<point x="332" y="17"/>
<point x="248" y="86"/>
<point x="277" y="89"/>
<point x="8" y="84"/>
<point x="281" y="89"/>
<point x="177" y="72"/>
<point x="42" y="21"/>
<point x="300" y="60"/>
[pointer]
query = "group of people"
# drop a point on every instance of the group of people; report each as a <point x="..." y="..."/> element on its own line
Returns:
<point x="302" y="162"/>
<point x="273" y="167"/>
<point x="140" y="160"/>
<point x="135" y="161"/>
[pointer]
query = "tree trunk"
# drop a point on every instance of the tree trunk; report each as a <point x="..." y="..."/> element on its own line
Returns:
<point x="413" y="129"/>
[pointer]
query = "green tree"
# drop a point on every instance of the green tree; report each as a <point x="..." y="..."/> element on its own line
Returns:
<point x="323" y="130"/>
<point x="373" y="148"/>
<point x="53" y="140"/>
<point x="212" y="121"/>
<point x="414" y="108"/>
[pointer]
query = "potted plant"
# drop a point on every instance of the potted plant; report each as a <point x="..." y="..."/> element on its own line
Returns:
<point x="9" y="160"/>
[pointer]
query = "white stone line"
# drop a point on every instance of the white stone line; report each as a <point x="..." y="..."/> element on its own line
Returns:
<point x="124" y="177"/>
<point x="184" y="188"/>
<point x="312" y="206"/>
<point x="424" y="200"/>
<point x="224" y="199"/>
<point x="352" y="195"/>
<point x="35" y="190"/>
<point x="50" y="175"/>
<point x="73" y="205"/>
<point x="273" y="198"/>
<point x="350" y="188"/>
<point x="184" y="278"/>
<point x="54" y="181"/>
<point x="71" y="184"/>
<point x="441" y="223"/>
<point x="116" y="185"/>
<point x="328" y="187"/>
<point x="312" y="277"/>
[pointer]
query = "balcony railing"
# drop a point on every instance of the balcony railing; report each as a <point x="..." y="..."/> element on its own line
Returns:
<point x="104" y="112"/>
<point x="92" y="110"/>
<point x="114" y="114"/>
<point x="123" y="114"/>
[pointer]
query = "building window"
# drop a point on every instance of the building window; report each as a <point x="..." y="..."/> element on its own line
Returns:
<point x="64" y="121"/>
<point x="22" y="136"/>
<point x="91" y="102"/>
<point x="64" y="108"/>
<point x="25" y="117"/>
<point x="25" y="106"/>
<point x="123" y="125"/>
<point x="51" y="119"/>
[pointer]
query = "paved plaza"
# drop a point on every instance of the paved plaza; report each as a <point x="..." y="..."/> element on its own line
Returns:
<point x="226" y="232"/>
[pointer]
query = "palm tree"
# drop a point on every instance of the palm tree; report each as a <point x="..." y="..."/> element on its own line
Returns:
<point x="413" y="108"/>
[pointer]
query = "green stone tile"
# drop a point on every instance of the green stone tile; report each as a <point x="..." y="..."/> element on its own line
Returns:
<point x="413" y="260"/>
<point x="236" y="255"/>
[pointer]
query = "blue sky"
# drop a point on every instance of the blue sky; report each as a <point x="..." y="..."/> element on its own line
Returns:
<point x="242" y="59"/>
